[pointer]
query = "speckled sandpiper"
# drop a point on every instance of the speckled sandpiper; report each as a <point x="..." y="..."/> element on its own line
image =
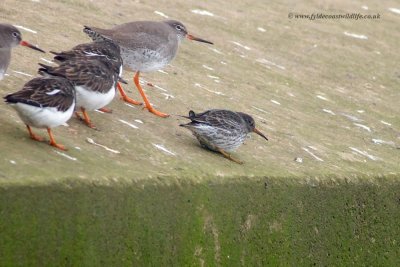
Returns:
<point x="44" y="103"/>
<point x="221" y="130"/>
<point x="10" y="37"/>
<point x="145" y="46"/>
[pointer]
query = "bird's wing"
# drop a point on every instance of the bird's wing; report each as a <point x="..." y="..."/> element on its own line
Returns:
<point x="45" y="92"/>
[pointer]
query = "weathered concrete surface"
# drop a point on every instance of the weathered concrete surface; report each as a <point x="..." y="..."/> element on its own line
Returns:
<point x="325" y="91"/>
<point x="306" y="66"/>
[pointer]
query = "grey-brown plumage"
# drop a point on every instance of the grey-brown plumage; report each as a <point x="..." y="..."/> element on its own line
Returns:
<point x="221" y="130"/>
<point x="44" y="102"/>
<point x="145" y="46"/>
<point x="10" y="37"/>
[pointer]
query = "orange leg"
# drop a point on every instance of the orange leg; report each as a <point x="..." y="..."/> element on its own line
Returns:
<point x="106" y="110"/>
<point x="86" y="119"/>
<point x="125" y="97"/>
<point x="32" y="135"/>
<point x="78" y="116"/>
<point x="228" y="156"/>
<point x="146" y="101"/>
<point x="53" y="142"/>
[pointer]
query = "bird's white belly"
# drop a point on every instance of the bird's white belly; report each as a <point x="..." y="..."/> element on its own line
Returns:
<point x="2" y="72"/>
<point x="48" y="117"/>
<point x="214" y="138"/>
<point x="91" y="100"/>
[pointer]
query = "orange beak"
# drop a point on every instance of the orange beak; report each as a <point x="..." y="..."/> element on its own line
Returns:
<point x="24" y="43"/>
<point x="193" y="38"/>
<point x="260" y="134"/>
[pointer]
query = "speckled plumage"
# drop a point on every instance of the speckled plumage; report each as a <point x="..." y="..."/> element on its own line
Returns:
<point x="106" y="48"/>
<point x="221" y="130"/>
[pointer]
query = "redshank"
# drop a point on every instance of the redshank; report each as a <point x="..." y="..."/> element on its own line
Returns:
<point x="10" y="37"/>
<point x="145" y="46"/>
<point x="221" y="130"/>
<point x="44" y="103"/>
<point x="94" y="80"/>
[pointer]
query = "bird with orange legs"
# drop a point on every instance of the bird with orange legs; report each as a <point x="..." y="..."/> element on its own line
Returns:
<point x="145" y="46"/>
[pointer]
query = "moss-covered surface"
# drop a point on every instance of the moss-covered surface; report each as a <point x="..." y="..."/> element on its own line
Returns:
<point x="327" y="99"/>
<point x="263" y="222"/>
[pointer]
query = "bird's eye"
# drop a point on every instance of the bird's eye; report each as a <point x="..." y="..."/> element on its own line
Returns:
<point x="15" y="34"/>
<point x="179" y="27"/>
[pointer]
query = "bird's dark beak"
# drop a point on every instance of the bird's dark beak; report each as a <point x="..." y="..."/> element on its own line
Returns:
<point x="24" y="43"/>
<point x="260" y="134"/>
<point x="193" y="38"/>
<point x="122" y="80"/>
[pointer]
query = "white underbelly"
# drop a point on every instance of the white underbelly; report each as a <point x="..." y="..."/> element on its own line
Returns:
<point x="91" y="100"/>
<point x="48" y="117"/>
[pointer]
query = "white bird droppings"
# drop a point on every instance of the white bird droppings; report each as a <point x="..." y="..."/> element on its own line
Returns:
<point x="13" y="162"/>
<point x="363" y="126"/>
<point x="160" y="14"/>
<point x="269" y="63"/>
<point x="328" y="111"/>
<point x="216" y="51"/>
<point x="386" y="123"/>
<point x="22" y="73"/>
<point x="322" y="97"/>
<point x="259" y="109"/>
<point x="162" y="71"/>
<point x="382" y="142"/>
<point x="91" y="141"/>
<point x="312" y="154"/>
<point x="65" y="155"/>
<point x="208" y="90"/>
<point x="207" y="67"/>
<point x="162" y="148"/>
<point x="394" y="10"/>
<point x="47" y="61"/>
<point x="240" y="45"/>
<point x="275" y="102"/>
<point x="25" y="29"/>
<point x="364" y="153"/>
<point x="351" y="117"/>
<point x="129" y="124"/>
<point x="357" y="36"/>
<point x="202" y="12"/>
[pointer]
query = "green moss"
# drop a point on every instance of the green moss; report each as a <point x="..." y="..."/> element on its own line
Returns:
<point x="240" y="223"/>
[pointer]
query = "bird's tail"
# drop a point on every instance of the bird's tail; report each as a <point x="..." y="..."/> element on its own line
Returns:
<point x="44" y="70"/>
<point x="48" y="71"/>
<point x="95" y="36"/>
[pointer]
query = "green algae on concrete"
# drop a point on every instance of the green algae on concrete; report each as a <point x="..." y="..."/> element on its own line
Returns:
<point x="263" y="222"/>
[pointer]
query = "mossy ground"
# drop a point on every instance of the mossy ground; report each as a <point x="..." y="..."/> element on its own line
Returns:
<point x="262" y="222"/>
<point x="317" y="93"/>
